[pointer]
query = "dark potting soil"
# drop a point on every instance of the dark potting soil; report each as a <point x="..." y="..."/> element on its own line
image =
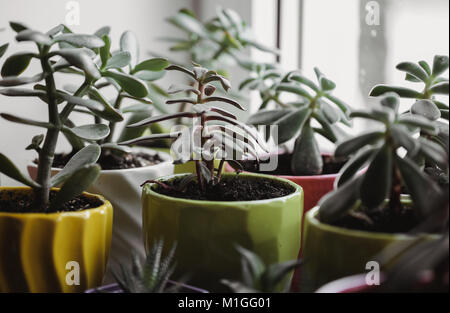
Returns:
<point x="380" y="220"/>
<point x="330" y="165"/>
<point x="114" y="161"/>
<point x="17" y="202"/>
<point x="228" y="189"/>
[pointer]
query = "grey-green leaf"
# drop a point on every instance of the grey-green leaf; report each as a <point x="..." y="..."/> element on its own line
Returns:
<point x="78" y="182"/>
<point x="90" y="132"/>
<point x="3" y="49"/>
<point x="86" y="156"/>
<point x="401" y="91"/>
<point x="353" y="165"/>
<point x="9" y="169"/>
<point x="154" y="65"/>
<point x="377" y="181"/>
<point x="80" y="59"/>
<point x="440" y="64"/>
<point x="440" y="88"/>
<point x="16" y="64"/>
<point x="290" y="125"/>
<point x="306" y="158"/>
<point x="81" y="40"/>
<point x="130" y="84"/>
<point x="426" y="108"/>
<point x="267" y="117"/>
<point x="129" y="43"/>
<point x="37" y="37"/>
<point x="119" y="60"/>
<point x="354" y="144"/>
<point x="413" y="69"/>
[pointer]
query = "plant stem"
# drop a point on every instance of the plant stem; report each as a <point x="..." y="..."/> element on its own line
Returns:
<point x="47" y="152"/>
<point x="395" y="203"/>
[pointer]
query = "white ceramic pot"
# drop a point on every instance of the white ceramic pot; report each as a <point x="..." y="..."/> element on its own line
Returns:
<point x="122" y="189"/>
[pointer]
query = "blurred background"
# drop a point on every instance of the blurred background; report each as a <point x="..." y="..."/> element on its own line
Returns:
<point x="356" y="43"/>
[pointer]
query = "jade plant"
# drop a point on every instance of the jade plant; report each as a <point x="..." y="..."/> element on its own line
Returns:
<point x="150" y="277"/>
<point x="259" y="277"/>
<point x="131" y="79"/>
<point x="389" y="155"/>
<point x="81" y="170"/>
<point x="215" y="41"/>
<point x="296" y="119"/>
<point x="215" y="132"/>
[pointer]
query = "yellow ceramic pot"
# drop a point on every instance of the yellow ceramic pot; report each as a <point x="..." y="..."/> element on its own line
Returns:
<point x="206" y="232"/>
<point x="331" y="252"/>
<point x="44" y="252"/>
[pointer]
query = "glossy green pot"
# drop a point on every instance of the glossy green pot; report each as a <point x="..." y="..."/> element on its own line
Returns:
<point x="332" y="252"/>
<point x="206" y="232"/>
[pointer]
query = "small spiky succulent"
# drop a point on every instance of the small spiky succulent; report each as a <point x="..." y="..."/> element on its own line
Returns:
<point x="387" y="169"/>
<point x="150" y="277"/>
<point x="215" y="134"/>
<point x="259" y="277"/>
<point x="295" y="119"/>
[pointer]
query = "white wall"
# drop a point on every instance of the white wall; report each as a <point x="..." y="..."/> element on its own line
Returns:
<point x="144" y="17"/>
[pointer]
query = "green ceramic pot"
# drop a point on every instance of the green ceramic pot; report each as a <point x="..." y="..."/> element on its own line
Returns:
<point x="332" y="252"/>
<point x="206" y="232"/>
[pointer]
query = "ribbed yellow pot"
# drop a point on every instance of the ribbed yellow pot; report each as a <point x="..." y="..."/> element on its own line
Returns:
<point x="38" y="250"/>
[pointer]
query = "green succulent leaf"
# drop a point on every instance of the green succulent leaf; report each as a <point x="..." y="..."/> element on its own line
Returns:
<point x="80" y="59"/>
<point x="267" y="117"/>
<point x="89" y="132"/>
<point x="336" y="203"/>
<point x="306" y="157"/>
<point x="74" y="185"/>
<point x="434" y="152"/>
<point x="81" y="40"/>
<point x="440" y="88"/>
<point x="414" y="70"/>
<point x="418" y="121"/>
<point x="353" y="165"/>
<point x="189" y="24"/>
<point x="153" y="65"/>
<point x="354" y="144"/>
<point x="18" y="27"/>
<point x="16" y="64"/>
<point x="440" y="64"/>
<point x="404" y="139"/>
<point x="118" y="60"/>
<point x="103" y="31"/>
<point x="401" y="91"/>
<point x="290" y="125"/>
<point x="104" y="51"/>
<point x="129" y="43"/>
<point x="13" y="81"/>
<point x="9" y="169"/>
<point x="25" y="121"/>
<point x="35" y="36"/>
<point x="294" y="89"/>
<point x="425" y="66"/>
<point x="86" y="156"/>
<point x="341" y="104"/>
<point x="106" y="111"/>
<point x="130" y="84"/>
<point x="420" y="186"/>
<point x="426" y="108"/>
<point x="3" y="49"/>
<point x="377" y="181"/>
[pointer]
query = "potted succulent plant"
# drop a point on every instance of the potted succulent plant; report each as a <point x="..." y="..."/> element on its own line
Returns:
<point x="367" y="211"/>
<point x="120" y="166"/>
<point x="44" y="229"/>
<point x="208" y="212"/>
<point x="298" y="119"/>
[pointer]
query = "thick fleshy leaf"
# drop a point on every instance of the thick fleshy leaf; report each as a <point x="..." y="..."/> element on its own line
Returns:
<point x="89" y="132"/>
<point x="426" y="108"/>
<point x="341" y="104"/>
<point x="178" y="68"/>
<point x="138" y="107"/>
<point x="420" y="186"/>
<point x="246" y="82"/>
<point x="403" y="138"/>
<point x="25" y="121"/>
<point x="87" y="103"/>
<point x="418" y="121"/>
<point x="86" y="156"/>
<point x="329" y="112"/>
<point x="80" y="59"/>
<point x="412" y="78"/>
<point x="16" y="64"/>
<point x="336" y="203"/>
<point x="295" y="89"/>
<point x="401" y="91"/>
<point x="150" y="138"/>
<point x="290" y="125"/>
<point x="129" y="43"/>
<point x="226" y="85"/>
<point x="153" y="65"/>
<point x="189" y="24"/>
<point x="433" y="152"/>
<point x="377" y="181"/>
<point x="413" y="69"/>
<point x="267" y="117"/>
<point x="163" y="117"/>
<point x="306" y="158"/>
<point x="104" y="51"/>
<point x="327" y="128"/>
<point x="13" y="81"/>
<point x="119" y="60"/>
<point x="440" y="64"/>
<point x="390" y="100"/>
<point x="17" y="26"/>
<point x="9" y="169"/>
<point x="130" y="84"/>
<point x="149" y="75"/>
<point x="21" y="92"/>
<point x="226" y="100"/>
<point x="103" y="31"/>
<point x="37" y="37"/>
<point x="426" y="67"/>
<point x="74" y="185"/>
<point x="3" y="49"/>
<point x="81" y="40"/>
<point x="108" y="112"/>
<point x="440" y="88"/>
<point x="353" y="145"/>
<point x="353" y="165"/>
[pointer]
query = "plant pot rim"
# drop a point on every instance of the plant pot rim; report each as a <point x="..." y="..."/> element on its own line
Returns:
<point x="311" y="218"/>
<point x="167" y="159"/>
<point x="298" y="190"/>
<point x="57" y="215"/>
